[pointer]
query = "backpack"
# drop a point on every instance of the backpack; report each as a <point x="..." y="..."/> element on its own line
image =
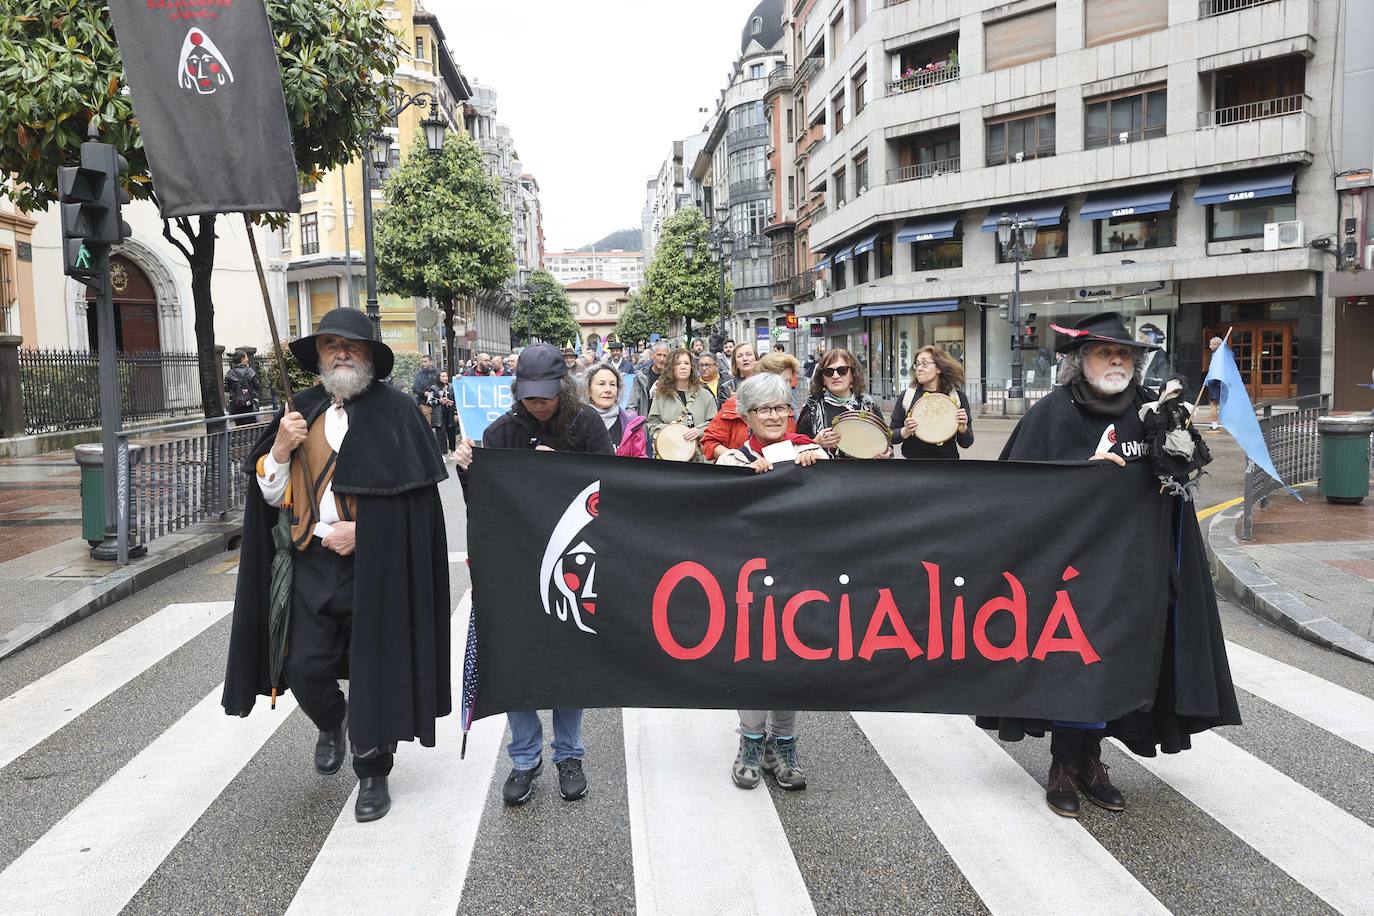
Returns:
<point x="241" y="394"/>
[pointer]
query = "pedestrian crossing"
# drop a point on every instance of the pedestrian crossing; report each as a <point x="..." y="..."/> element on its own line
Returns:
<point x="688" y="840"/>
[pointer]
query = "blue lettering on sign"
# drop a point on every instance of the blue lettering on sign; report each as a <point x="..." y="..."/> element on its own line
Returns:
<point x="1124" y="211"/>
<point x="1241" y="195"/>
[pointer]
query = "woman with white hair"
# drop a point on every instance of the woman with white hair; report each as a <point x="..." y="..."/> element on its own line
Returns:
<point x="764" y="401"/>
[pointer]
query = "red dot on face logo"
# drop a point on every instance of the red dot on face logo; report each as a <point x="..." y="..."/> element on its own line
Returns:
<point x="204" y="83"/>
<point x="571" y="580"/>
<point x="1111" y="436"/>
<point x="191" y="69"/>
<point x="214" y="68"/>
<point x="593" y="503"/>
<point x="197" y="38"/>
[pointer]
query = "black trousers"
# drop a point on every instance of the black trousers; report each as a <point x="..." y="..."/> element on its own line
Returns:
<point x="317" y="646"/>
<point x="1070" y="745"/>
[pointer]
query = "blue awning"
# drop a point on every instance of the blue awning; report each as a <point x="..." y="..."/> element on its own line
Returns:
<point x="1128" y="201"/>
<point x="911" y="308"/>
<point x="822" y="264"/>
<point x="867" y="243"/>
<point x="1044" y="212"/>
<point x="929" y="229"/>
<point x="1232" y="186"/>
<point x="844" y="254"/>
<point x="845" y="314"/>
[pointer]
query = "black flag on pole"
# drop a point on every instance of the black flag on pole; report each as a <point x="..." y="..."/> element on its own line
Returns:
<point x="207" y="93"/>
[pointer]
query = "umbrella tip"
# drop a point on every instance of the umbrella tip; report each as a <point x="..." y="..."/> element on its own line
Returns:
<point x="274" y="698"/>
<point x="463" y="750"/>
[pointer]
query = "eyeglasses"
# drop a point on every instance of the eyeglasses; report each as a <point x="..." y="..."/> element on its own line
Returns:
<point x="835" y="371"/>
<point x="924" y="364"/>
<point x="775" y="410"/>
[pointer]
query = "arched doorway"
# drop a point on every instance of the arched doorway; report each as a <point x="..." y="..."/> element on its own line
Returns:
<point x="135" y="309"/>
<point x="593" y="343"/>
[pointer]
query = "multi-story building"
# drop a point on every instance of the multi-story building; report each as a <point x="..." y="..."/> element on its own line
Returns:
<point x="616" y="266"/>
<point x="18" y="315"/>
<point x="1175" y="155"/>
<point x="596" y="306"/>
<point x="648" y="238"/>
<point x="672" y="189"/>
<point x="731" y="170"/>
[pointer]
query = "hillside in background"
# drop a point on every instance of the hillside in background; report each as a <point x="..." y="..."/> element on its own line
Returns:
<point x="624" y="239"/>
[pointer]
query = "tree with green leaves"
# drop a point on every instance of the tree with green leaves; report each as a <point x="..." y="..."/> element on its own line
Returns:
<point x="675" y="287"/>
<point x="444" y="233"/>
<point x="60" y="70"/>
<point x="637" y="323"/>
<point x="545" y="313"/>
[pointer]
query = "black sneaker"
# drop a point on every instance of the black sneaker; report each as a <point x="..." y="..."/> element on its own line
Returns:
<point x="572" y="782"/>
<point x="520" y="784"/>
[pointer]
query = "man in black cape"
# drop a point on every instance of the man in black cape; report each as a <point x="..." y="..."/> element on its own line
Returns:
<point x="370" y="590"/>
<point x="1095" y="413"/>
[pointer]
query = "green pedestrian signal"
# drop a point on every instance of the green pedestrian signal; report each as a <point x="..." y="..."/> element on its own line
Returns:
<point x="91" y="219"/>
<point x="83" y="259"/>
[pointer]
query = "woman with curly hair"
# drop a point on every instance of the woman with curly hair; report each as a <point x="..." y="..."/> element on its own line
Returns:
<point x="679" y="397"/>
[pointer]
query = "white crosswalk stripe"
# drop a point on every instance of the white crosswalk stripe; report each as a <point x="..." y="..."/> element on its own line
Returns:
<point x="694" y="842"/>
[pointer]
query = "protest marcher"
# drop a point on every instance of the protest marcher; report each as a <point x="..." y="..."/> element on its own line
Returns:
<point x="569" y="356"/>
<point x="768" y="737"/>
<point x="936" y="372"/>
<point x="837" y="387"/>
<point x="680" y="398"/>
<point x="726" y="358"/>
<point x="482" y="366"/>
<point x="698" y="347"/>
<point x="642" y="392"/>
<point x="1213" y="401"/>
<point x="442" y="413"/>
<point x="809" y="367"/>
<point x="369" y="560"/>
<point x="549" y="415"/>
<point x="424" y="379"/>
<point x="625" y="427"/>
<point x="1095" y="414"/>
<point x="743" y="361"/>
<point x="241" y="385"/>
<point x="729" y="428"/>
<point x="619" y="360"/>
<point x="708" y="370"/>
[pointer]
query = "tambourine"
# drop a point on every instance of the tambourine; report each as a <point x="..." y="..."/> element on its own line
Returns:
<point x="937" y="417"/>
<point x="671" y="443"/>
<point x="862" y="435"/>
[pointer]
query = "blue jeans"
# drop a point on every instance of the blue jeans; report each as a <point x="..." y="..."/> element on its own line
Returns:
<point x="527" y="737"/>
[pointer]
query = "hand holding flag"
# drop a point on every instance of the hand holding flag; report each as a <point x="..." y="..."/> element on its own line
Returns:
<point x="1236" y="414"/>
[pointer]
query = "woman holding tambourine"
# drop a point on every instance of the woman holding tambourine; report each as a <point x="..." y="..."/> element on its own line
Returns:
<point x="931" y="420"/>
<point x="839" y="415"/>
<point x="680" y="410"/>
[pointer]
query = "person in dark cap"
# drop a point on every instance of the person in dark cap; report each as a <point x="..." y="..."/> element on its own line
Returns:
<point x="353" y="465"/>
<point x="622" y="363"/>
<point x="550" y="416"/>
<point x="1095" y="413"/>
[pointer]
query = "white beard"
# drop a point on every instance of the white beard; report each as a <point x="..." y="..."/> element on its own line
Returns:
<point x="344" y="383"/>
<point x="1111" y="383"/>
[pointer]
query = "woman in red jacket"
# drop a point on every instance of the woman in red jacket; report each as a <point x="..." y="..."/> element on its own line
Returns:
<point x="728" y="429"/>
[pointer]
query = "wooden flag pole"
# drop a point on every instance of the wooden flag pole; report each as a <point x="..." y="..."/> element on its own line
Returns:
<point x="1203" y="387"/>
<point x="271" y="316"/>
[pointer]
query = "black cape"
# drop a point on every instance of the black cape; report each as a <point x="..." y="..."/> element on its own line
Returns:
<point x="1194" y="691"/>
<point x="399" y="655"/>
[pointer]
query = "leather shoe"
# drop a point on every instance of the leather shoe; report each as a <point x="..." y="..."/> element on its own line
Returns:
<point x="330" y="750"/>
<point x="374" y="801"/>
<point x="1092" y="779"/>
<point x="1060" y="793"/>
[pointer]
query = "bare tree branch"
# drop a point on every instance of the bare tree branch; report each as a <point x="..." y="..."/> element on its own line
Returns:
<point x="167" y="234"/>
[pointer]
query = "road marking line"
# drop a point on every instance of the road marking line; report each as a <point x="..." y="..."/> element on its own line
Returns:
<point x="700" y="843"/>
<point x="457" y="557"/>
<point x="97" y="857"/>
<point x="1332" y="708"/>
<point x="437" y="806"/>
<point x="991" y="817"/>
<point x="33" y="713"/>
<point x="1219" y="507"/>
<point x="1327" y="850"/>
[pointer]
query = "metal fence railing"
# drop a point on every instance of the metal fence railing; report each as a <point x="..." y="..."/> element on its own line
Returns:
<point x="1290" y="432"/>
<point x="1254" y="111"/>
<point x="1209" y="8"/>
<point x="173" y="476"/>
<point x="941" y="72"/>
<point x="923" y="170"/>
<point x="61" y="388"/>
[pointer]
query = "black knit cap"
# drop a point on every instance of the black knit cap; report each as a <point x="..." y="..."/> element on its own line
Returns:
<point x="350" y="324"/>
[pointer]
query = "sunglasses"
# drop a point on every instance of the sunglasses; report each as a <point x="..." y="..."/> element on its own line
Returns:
<point x="835" y="371"/>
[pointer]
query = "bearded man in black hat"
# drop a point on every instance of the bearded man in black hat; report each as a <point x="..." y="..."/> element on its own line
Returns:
<point x="353" y="463"/>
<point x="1095" y="413"/>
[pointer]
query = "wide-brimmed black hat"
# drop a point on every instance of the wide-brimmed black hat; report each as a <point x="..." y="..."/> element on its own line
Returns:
<point x="350" y="324"/>
<point x="1104" y="327"/>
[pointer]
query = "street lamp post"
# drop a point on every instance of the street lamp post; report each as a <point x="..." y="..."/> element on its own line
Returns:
<point x="379" y="149"/>
<point x="720" y="243"/>
<point x="1017" y="238"/>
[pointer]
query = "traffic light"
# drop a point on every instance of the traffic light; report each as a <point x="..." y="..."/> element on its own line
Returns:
<point x="1031" y="338"/>
<point x="92" y="195"/>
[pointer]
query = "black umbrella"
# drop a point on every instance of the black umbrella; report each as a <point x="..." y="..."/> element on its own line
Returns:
<point x="279" y="615"/>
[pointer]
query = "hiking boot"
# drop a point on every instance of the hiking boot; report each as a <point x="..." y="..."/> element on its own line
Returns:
<point x="572" y="782"/>
<point x="1092" y="779"/>
<point x="1061" y="793"/>
<point x="520" y="784"/>
<point x="746" y="771"/>
<point x="780" y="761"/>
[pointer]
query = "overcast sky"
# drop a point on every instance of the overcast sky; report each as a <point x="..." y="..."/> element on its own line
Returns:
<point x="596" y="92"/>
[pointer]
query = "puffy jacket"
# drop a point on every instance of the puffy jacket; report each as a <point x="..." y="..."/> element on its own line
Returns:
<point x="634" y="438"/>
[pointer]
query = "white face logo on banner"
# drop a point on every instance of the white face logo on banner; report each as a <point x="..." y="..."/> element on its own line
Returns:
<point x="202" y="67"/>
<point x="568" y="570"/>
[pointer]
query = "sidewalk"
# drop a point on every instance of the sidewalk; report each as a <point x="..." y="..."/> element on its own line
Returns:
<point x="1310" y="568"/>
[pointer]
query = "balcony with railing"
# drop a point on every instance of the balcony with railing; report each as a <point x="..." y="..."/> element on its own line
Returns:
<point x="1254" y="111"/>
<point x="742" y="135"/>
<point x="923" y="170"/>
<point x="923" y="79"/>
<point x="780" y="74"/>
<point x="809" y="68"/>
<point x="1206" y="9"/>
<point x="925" y="64"/>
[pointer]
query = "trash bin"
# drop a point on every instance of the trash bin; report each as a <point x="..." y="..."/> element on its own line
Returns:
<point x="91" y="459"/>
<point x="1345" y="457"/>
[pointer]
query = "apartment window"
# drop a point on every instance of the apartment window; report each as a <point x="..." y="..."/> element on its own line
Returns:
<point x="938" y="254"/>
<point x="1245" y="219"/>
<point x="748" y="218"/>
<point x="419" y="47"/>
<point x="1019" y="39"/>
<point x="749" y="115"/>
<point x="837" y="107"/>
<point x="756" y="71"/>
<point x="839" y="185"/>
<point x="836" y="35"/>
<point x="1028" y="135"/>
<point x="284" y="237"/>
<point x="791" y="192"/>
<point x="7" y="293"/>
<point x="307" y="185"/>
<point x="1112" y="20"/>
<point x="858" y="14"/>
<point x="861" y="173"/>
<point x="310" y="233"/>
<point x="1120" y="119"/>
<point x="837" y="276"/>
<point x="1050" y="242"/>
<point x="860" y="91"/>
<point x="756" y="26"/>
<point x="745" y="164"/>
<point x="1131" y="233"/>
<point x="791" y="126"/>
<point x="861" y="268"/>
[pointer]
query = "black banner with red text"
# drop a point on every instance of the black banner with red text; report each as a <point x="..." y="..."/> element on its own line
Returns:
<point x="997" y="588"/>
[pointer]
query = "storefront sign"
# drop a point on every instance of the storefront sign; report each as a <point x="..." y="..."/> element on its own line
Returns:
<point x="1124" y="211"/>
<point x="1241" y="195"/>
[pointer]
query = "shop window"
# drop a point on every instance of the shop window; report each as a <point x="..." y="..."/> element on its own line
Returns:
<point x="1028" y="135"/>
<point x="1140" y="115"/>
<point x="1245" y="219"/>
<point x="1050" y="242"/>
<point x="1019" y="39"/>
<point x="884" y="255"/>
<point x="1113" y="20"/>
<point x="1131" y="233"/>
<point x="938" y="254"/>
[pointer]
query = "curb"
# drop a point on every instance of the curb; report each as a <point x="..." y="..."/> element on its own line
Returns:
<point x="205" y="541"/>
<point x="1241" y="578"/>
